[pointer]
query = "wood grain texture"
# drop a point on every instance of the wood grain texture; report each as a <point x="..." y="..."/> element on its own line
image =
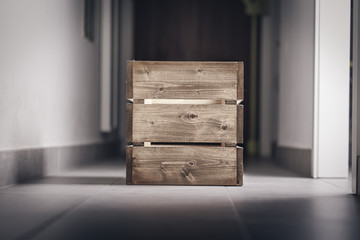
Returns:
<point x="239" y="166"/>
<point x="129" y="164"/>
<point x="240" y="123"/>
<point x="190" y="165"/>
<point x="185" y="80"/>
<point x="129" y="79"/>
<point x="240" y="81"/>
<point x="184" y="123"/>
<point x="129" y="122"/>
<point x="139" y="101"/>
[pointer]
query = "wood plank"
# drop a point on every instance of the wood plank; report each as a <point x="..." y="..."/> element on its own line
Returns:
<point x="240" y="166"/>
<point x="129" y="79"/>
<point x="230" y="144"/>
<point x="129" y="164"/>
<point x="240" y="123"/>
<point x="139" y="101"/>
<point x="185" y="80"/>
<point x="129" y="122"/>
<point x="191" y="165"/>
<point x="240" y="81"/>
<point x="183" y="101"/>
<point x="184" y="123"/>
<point x="230" y="102"/>
<point x="138" y="143"/>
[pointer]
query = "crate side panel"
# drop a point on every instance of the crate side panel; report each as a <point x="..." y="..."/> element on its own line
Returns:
<point x="184" y="165"/>
<point x="185" y="80"/>
<point x="240" y="79"/>
<point x="129" y="79"/>
<point x="240" y="123"/>
<point x="129" y="150"/>
<point x="240" y="166"/>
<point x="129" y="122"/>
<point x="184" y="123"/>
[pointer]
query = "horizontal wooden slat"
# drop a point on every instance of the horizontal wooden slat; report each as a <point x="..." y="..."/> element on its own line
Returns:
<point x="184" y="123"/>
<point x="191" y="165"/>
<point x="185" y="80"/>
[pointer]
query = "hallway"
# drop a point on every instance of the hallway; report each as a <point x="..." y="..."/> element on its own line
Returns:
<point x="93" y="202"/>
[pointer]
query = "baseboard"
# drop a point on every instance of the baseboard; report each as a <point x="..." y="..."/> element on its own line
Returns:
<point x="25" y="164"/>
<point x="297" y="160"/>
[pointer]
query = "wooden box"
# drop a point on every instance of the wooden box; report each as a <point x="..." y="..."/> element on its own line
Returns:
<point x="184" y="123"/>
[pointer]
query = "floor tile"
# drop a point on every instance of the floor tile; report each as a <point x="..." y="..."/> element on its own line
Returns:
<point x="93" y="202"/>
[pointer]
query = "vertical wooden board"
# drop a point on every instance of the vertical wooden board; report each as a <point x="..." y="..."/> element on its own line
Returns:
<point x="240" y="123"/>
<point x="240" y="81"/>
<point x="190" y="165"/>
<point x="129" y="79"/>
<point x="185" y="80"/>
<point x="129" y="150"/>
<point x="129" y="122"/>
<point x="240" y="166"/>
<point x="184" y="123"/>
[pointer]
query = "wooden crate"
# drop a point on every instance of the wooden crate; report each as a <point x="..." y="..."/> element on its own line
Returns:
<point x="184" y="123"/>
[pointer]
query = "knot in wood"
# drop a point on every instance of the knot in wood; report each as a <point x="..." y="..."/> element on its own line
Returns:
<point x="199" y="70"/>
<point x="223" y="127"/>
<point x="192" y="116"/>
<point x="161" y="89"/>
<point x="191" y="163"/>
<point x="188" y="116"/>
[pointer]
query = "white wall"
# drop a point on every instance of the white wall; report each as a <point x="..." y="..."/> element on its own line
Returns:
<point x="332" y="61"/>
<point x="49" y="75"/>
<point x="269" y="66"/>
<point x="355" y="176"/>
<point x="296" y="74"/>
<point x="105" y="66"/>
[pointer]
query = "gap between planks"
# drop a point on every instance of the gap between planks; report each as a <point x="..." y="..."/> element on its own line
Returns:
<point x="184" y="101"/>
<point x="151" y="144"/>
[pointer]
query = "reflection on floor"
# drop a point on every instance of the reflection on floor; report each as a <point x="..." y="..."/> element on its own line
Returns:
<point x="94" y="203"/>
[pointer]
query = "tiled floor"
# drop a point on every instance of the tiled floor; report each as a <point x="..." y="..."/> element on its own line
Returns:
<point x="94" y="203"/>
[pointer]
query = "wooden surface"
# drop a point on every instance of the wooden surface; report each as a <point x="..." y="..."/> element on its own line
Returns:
<point x="129" y="150"/>
<point x="184" y="123"/>
<point x="184" y="106"/>
<point x="240" y="78"/>
<point x="239" y="166"/>
<point x="240" y="122"/>
<point x="129" y="121"/>
<point x="184" y="80"/>
<point x="191" y="165"/>
<point x="129" y="79"/>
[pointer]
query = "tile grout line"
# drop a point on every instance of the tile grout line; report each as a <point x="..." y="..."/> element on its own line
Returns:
<point x="240" y="221"/>
<point x="332" y="184"/>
